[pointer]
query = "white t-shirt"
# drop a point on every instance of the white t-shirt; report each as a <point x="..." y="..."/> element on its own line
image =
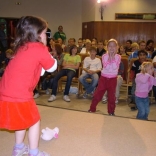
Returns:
<point x="83" y="51"/>
<point x="154" y="59"/>
<point x="92" y="64"/>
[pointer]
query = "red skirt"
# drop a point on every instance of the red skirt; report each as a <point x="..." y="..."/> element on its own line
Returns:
<point x="18" y="115"/>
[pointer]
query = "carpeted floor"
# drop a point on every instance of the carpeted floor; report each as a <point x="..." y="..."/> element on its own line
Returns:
<point x="91" y="134"/>
<point x="80" y="104"/>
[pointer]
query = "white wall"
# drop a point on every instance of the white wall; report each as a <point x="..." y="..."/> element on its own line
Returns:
<point x="71" y="13"/>
<point x="56" y="12"/>
<point x="124" y="6"/>
<point x="88" y="10"/>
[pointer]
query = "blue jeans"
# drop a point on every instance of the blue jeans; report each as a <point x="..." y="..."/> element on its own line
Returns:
<point x="133" y="91"/>
<point x="154" y="92"/>
<point x="89" y="87"/>
<point x="47" y="83"/>
<point x="64" y="72"/>
<point x="143" y="107"/>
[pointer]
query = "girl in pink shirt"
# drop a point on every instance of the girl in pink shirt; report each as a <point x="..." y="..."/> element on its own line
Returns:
<point x="108" y="80"/>
<point x="144" y="83"/>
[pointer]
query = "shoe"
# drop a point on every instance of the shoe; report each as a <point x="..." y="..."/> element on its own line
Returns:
<point x="133" y="108"/>
<point x="66" y="98"/>
<point x="19" y="152"/>
<point x="91" y="111"/>
<point x="90" y="95"/>
<point x="131" y="104"/>
<point x="85" y="96"/>
<point x="52" y="98"/>
<point x="40" y="154"/>
<point x="36" y="95"/>
<point x="47" y="92"/>
<point x="111" y="114"/>
<point x="116" y="101"/>
<point x="104" y="100"/>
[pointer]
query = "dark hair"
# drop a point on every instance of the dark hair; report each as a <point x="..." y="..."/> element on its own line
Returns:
<point x="149" y="41"/>
<point x="130" y="41"/>
<point x="72" y="39"/>
<point x="58" y="49"/>
<point x="28" y="30"/>
<point x="101" y="41"/>
<point x="142" y="51"/>
<point x="71" y="48"/>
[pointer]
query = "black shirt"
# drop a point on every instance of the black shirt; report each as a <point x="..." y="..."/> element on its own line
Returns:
<point x="100" y="53"/>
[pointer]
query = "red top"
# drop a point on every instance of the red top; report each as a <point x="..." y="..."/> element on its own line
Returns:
<point x="23" y="72"/>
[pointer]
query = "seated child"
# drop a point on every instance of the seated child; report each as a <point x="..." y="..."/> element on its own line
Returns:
<point x="135" y="69"/>
<point x="91" y="67"/>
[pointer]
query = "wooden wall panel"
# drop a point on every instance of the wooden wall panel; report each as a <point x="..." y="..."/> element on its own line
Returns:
<point x="121" y="31"/>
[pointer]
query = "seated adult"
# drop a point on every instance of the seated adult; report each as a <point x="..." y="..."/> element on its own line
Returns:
<point x="91" y="67"/>
<point x="94" y="44"/>
<point x="142" y="45"/>
<point x="71" y="42"/>
<point x="60" y="41"/>
<point x="60" y="34"/>
<point x="87" y="47"/>
<point x="122" y="51"/>
<point x="135" y="46"/>
<point x="150" y="46"/>
<point x="128" y="47"/>
<point x="100" y="48"/>
<point x="71" y="63"/>
<point x="80" y="45"/>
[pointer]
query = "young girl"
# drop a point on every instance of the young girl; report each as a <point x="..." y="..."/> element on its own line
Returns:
<point x="18" y="110"/>
<point x="108" y="79"/>
<point x="144" y="83"/>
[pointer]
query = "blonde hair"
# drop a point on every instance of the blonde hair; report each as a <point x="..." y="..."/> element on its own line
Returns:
<point x="135" y="45"/>
<point x="115" y="41"/>
<point x="88" y="41"/>
<point x="144" y="66"/>
<point x="9" y="51"/>
<point x="112" y="40"/>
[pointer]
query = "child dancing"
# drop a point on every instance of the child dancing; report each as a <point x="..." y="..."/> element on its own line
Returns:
<point x="18" y="110"/>
<point x="144" y="83"/>
<point x="108" y="80"/>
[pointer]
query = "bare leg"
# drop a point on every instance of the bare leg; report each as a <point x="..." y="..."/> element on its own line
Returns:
<point x="33" y="135"/>
<point x="19" y="136"/>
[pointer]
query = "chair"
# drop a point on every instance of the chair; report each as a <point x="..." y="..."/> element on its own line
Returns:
<point x="76" y="78"/>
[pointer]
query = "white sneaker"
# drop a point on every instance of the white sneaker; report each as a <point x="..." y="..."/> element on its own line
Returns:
<point x="116" y="101"/>
<point x="52" y="98"/>
<point x="36" y="95"/>
<point x="47" y="92"/>
<point x="104" y="100"/>
<point x="66" y="98"/>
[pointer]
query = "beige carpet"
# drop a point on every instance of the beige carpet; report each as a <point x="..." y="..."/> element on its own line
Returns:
<point x="89" y="134"/>
<point x="80" y="104"/>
